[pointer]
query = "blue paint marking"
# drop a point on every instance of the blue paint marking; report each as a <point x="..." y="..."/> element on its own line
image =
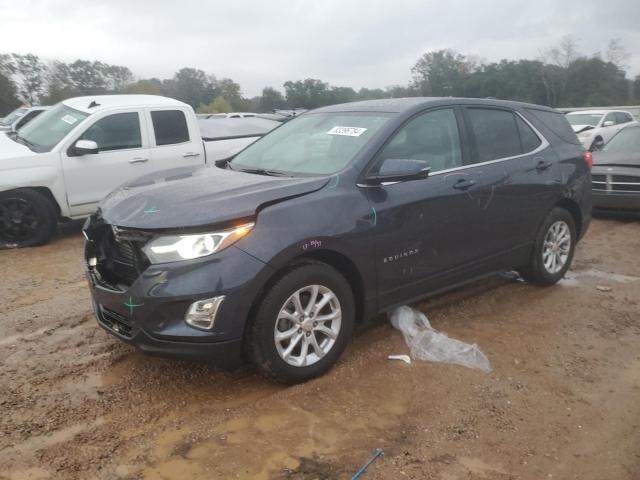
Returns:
<point x="151" y="210"/>
<point x="364" y="467"/>
<point x="336" y="181"/>
<point x="374" y="222"/>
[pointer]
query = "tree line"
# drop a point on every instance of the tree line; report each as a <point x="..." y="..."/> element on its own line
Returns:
<point x="561" y="76"/>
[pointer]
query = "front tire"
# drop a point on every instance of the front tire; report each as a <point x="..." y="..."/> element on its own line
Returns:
<point x="553" y="249"/>
<point x="303" y="324"/>
<point x="27" y="218"/>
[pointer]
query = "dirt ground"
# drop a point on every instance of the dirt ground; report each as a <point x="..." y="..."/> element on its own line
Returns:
<point x="562" y="402"/>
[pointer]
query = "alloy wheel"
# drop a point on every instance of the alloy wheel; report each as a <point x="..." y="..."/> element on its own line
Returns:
<point x="308" y="325"/>
<point x="556" y="247"/>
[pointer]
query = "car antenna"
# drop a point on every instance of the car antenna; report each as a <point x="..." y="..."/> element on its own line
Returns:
<point x="93" y="104"/>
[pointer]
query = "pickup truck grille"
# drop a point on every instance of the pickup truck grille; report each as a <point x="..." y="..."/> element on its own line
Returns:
<point x="616" y="183"/>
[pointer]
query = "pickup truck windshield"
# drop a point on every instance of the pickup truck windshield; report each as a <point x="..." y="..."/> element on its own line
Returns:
<point x="313" y="144"/>
<point x="46" y="130"/>
<point x="13" y="116"/>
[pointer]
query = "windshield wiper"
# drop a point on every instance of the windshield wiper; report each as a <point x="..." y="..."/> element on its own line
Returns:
<point x="25" y="142"/>
<point x="262" y="171"/>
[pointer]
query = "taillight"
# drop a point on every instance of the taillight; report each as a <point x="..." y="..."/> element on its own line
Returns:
<point x="588" y="158"/>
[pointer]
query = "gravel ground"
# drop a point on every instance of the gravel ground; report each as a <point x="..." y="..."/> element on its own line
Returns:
<point x="561" y="402"/>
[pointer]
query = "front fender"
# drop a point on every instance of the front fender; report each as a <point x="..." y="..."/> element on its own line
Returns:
<point x="46" y="176"/>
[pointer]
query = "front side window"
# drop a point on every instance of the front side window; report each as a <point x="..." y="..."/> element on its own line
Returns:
<point x="611" y="117"/>
<point x="170" y="127"/>
<point x="46" y="130"/>
<point x="313" y="144"/>
<point x="496" y="133"/>
<point x="119" y="131"/>
<point x="432" y="137"/>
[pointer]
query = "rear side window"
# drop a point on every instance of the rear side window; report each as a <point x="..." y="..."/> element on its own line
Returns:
<point x="170" y="127"/>
<point x="557" y="123"/>
<point x="528" y="137"/>
<point x="495" y="132"/>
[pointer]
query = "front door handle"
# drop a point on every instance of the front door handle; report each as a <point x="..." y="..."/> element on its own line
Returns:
<point x="464" y="184"/>
<point x="542" y="165"/>
<point x="138" y="160"/>
<point x="191" y="154"/>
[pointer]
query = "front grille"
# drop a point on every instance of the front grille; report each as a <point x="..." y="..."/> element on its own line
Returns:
<point x="625" y="178"/>
<point x="616" y="183"/>
<point x="116" y="322"/>
<point x="122" y="260"/>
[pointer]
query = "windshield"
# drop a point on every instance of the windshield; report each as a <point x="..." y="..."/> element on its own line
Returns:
<point x="313" y="144"/>
<point x="13" y="116"/>
<point x="591" y="119"/>
<point x="45" y="131"/>
<point x="626" y="141"/>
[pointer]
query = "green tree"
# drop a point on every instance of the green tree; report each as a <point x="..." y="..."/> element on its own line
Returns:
<point x="219" y="105"/>
<point x="271" y="100"/>
<point x="441" y="73"/>
<point x="145" y="86"/>
<point x="8" y="95"/>
<point x="29" y="75"/>
<point x="309" y="93"/>
<point x="191" y="86"/>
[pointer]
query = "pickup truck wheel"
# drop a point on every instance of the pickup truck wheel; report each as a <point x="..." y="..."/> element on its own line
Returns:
<point x="303" y="324"/>
<point x="27" y="218"/>
<point x="553" y="249"/>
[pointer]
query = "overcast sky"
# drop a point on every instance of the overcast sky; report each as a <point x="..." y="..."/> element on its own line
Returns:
<point x="354" y="43"/>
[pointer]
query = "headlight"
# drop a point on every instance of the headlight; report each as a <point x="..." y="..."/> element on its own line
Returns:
<point x="173" y="248"/>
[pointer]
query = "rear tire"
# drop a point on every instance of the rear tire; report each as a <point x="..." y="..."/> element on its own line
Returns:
<point x="27" y="218"/>
<point x="303" y="324"/>
<point x="553" y="249"/>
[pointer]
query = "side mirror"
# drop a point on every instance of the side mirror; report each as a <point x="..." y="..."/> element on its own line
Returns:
<point x="608" y="123"/>
<point x="399" y="170"/>
<point x="85" y="147"/>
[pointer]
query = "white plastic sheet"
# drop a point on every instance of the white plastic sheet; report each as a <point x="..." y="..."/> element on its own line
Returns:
<point x="425" y="343"/>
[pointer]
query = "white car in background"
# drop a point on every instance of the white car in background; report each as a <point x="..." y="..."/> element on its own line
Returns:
<point x="596" y="127"/>
<point x="19" y="118"/>
<point x="60" y="165"/>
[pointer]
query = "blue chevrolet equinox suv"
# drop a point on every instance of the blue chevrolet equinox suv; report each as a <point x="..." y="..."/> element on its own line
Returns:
<point x="348" y="211"/>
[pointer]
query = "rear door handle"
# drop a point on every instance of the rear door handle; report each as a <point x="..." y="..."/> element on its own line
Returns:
<point x="138" y="160"/>
<point x="464" y="184"/>
<point x="191" y="154"/>
<point x="542" y="165"/>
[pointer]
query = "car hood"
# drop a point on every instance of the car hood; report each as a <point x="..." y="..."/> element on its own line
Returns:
<point x="193" y="197"/>
<point x="11" y="149"/>
<point x="614" y="158"/>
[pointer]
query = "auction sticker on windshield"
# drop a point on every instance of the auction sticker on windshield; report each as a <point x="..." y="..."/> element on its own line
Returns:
<point x="347" y="131"/>
<point x="69" y="119"/>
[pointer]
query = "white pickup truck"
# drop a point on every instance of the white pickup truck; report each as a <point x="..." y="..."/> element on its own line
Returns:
<point x="60" y="165"/>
